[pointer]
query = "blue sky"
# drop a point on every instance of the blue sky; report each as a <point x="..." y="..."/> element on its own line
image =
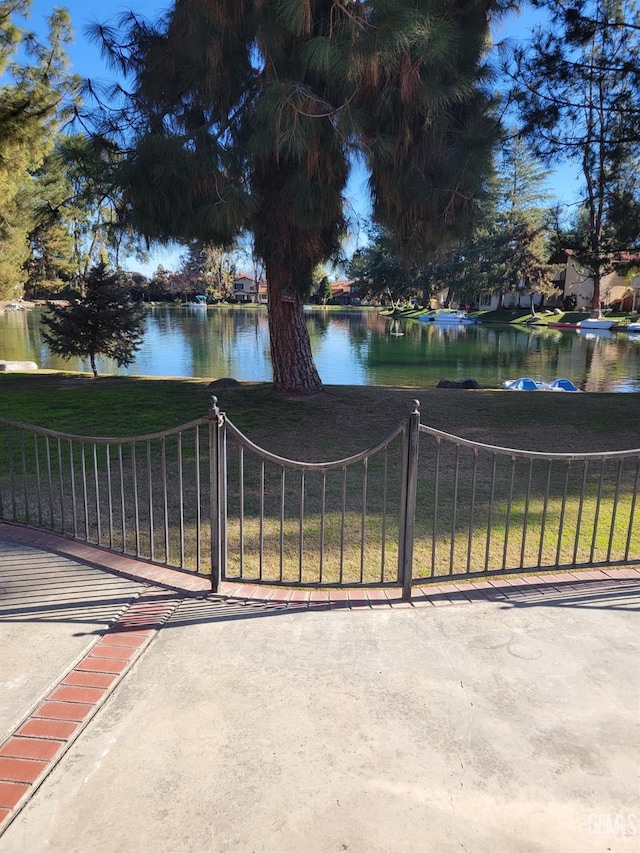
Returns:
<point x="86" y="61"/>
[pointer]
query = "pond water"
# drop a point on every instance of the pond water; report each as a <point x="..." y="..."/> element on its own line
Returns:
<point x="351" y="347"/>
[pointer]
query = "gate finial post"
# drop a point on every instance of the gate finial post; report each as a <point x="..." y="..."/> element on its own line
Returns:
<point x="408" y="505"/>
<point x="217" y="497"/>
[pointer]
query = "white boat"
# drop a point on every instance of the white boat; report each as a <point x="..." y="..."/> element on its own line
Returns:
<point x="527" y="384"/>
<point x="596" y="323"/>
<point x="634" y="328"/>
<point x="449" y="318"/>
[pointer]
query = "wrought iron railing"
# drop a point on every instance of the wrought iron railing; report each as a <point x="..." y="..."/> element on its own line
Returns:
<point x="419" y="507"/>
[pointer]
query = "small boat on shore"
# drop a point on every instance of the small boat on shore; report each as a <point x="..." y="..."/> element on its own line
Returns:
<point x="596" y="323"/>
<point x="449" y="318"/>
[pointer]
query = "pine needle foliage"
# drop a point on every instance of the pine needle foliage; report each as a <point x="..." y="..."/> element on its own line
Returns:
<point x="247" y="116"/>
<point x="101" y="322"/>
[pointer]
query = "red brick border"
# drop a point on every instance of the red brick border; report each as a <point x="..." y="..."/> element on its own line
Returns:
<point x="38" y="743"/>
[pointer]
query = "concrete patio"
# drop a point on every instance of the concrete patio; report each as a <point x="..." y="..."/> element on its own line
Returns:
<point x="138" y="713"/>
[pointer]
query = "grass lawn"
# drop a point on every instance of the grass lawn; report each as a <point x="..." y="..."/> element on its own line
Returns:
<point x="340" y="421"/>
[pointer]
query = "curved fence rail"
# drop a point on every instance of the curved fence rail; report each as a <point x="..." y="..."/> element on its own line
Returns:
<point x="139" y="495"/>
<point x="483" y="509"/>
<point x="419" y="507"/>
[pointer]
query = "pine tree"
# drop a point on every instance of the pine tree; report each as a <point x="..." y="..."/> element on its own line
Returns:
<point x="33" y="95"/>
<point x="248" y="113"/>
<point x="577" y="88"/>
<point x="103" y="321"/>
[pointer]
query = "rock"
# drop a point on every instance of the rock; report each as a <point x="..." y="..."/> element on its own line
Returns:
<point x="227" y="382"/>
<point x="17" y="366"/>
<point x="460" y="383"/>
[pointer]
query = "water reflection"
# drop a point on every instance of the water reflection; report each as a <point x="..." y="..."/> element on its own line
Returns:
<point x="357" y="347"/>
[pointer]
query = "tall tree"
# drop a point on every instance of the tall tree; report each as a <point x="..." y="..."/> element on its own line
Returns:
<point x="247" y="115"/>
<point x="35" y="90"/>
<point x="578" y="94"/>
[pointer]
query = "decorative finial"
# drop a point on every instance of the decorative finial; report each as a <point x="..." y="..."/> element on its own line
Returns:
<point x="416" y="406"/>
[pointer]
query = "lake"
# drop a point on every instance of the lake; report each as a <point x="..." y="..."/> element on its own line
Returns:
<point x="351" y="347"/>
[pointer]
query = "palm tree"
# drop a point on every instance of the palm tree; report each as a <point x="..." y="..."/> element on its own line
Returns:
<point x="247" y="115"/>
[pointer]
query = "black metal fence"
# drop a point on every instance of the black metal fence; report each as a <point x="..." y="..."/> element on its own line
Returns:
<point x="419" y="507"/>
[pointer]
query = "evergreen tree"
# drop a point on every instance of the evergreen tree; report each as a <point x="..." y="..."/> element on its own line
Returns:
<point x="102" y="321"/>
<point x="247" y="115"/>
<point x="33" y="96"/>
<point x="578" y="93"/>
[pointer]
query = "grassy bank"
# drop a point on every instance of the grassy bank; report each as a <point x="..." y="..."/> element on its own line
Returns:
<point x="341" y="420"/>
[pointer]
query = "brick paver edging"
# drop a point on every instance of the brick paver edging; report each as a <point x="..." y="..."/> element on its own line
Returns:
<point x="444" y="593"/>
<point x="39" y="742"/>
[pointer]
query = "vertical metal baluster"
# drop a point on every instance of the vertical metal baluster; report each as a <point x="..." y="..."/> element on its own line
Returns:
<point x="223" y="469"/>
<point x="507" y="526"/>
<point x="37" y="455"/>
<point x="632" y="511"/>
<point x="136" y="505"/>
<point x="12" y="474"/>
<point x="61" y="482"/>
<point x="454" y="518"/>
<point x="342" y="521"/>
<point x="597" y="513"/>
<point x="282" y="496"/>
<point x="385" y="489"/>
<point x="241" y="507"/>
<point x="563" y="510"/>
<point x="123" y="523"/>
<point x="49" y="481"/>
<point x="109" y="494"/>
<point x="490" y="513"/>
<point x="85" y="493"/>
<point x="614" y="510"/>
<point x="74" y="505"/>
<point x="436" y="489"/>
<point x="152" y="550"/>
<point x="544" y="513"/>
<point x="97" y="487"/>
<point x="198" y="503"/>
<point x="580" y="509"/>
<point x="525" y="519"/>
<point x="165" y="498"/>
<point x="1" y="486"/>
<point x="181" y="499"/>
<point x="25" y="486"/>
<point x="365" y="482"/>
<point x="323" y="502"/>
<point x="301" y="531"/>
<point x="261" y="551"/>
<point x="474" y="480"/>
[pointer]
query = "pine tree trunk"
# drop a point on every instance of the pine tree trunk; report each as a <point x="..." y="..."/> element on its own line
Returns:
<point x="294" y="371"/>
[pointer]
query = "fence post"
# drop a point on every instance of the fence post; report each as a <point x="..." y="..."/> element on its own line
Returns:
<point x="408" y="499"/>
<point x="216" y="427"/>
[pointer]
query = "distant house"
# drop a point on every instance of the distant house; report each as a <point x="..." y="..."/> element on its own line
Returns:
<point x="344" y="292"/>
<point x="245" y="288"/>
<point x="618" y="289"/>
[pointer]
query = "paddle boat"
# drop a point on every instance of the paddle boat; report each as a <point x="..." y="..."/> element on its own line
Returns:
<point x="527" y="384"/>
<point x="449" y="318"/>
<point x="596" y="321"/>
